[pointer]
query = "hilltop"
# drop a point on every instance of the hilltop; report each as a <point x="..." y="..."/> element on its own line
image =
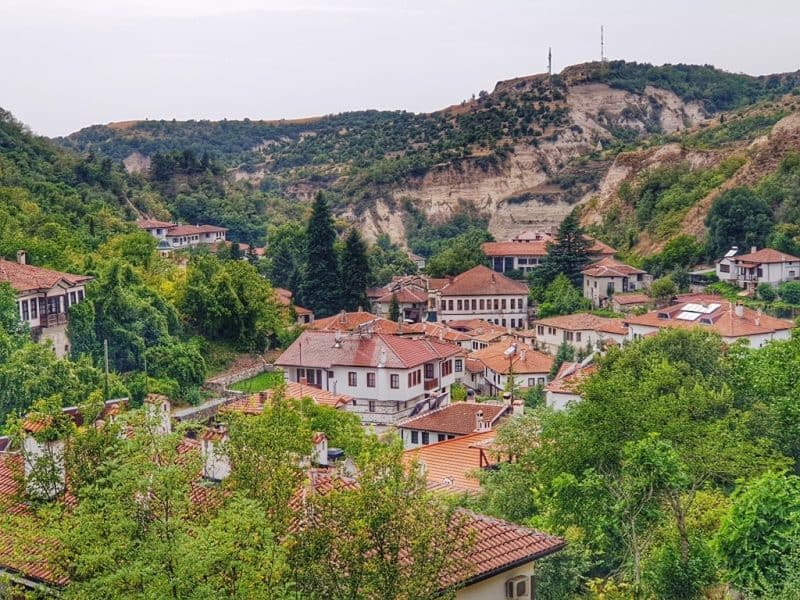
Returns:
<point x="523" y="154"/>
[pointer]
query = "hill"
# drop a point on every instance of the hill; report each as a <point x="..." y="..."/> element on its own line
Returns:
<point x="523" y="154"/>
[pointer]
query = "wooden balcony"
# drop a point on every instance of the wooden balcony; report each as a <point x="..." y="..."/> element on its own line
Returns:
<point x="431" y="384"/>
<point x="53" y="320"/>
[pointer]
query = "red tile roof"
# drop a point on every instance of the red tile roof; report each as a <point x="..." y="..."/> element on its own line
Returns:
<point x="435" y="330"/>
<point x="404" y="296"/>
<point x="254" y="404"/>
<point x="627" y="299"/>
<point x="351" y="321"/>
<point x="585" y="322"/>
<point x="524" y="361"/>
<point x="453" y="465"/>
<point x="482" y="281"/>
<point x="610" y="267"/>
<point x="153" y="224"/>
<point x="185" y="230"/>
<point x="458" y="418"/>
<point x="765" y="256"/>
<point x="324" y="349"/>
<point x="723" y="319"/>
<point x="27" y="278"/>
<point x="569" y="376"/>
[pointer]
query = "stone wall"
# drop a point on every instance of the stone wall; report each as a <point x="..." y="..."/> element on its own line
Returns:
<point x="221" y="382"/>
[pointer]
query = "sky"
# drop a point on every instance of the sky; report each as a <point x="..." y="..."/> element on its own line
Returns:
<point x="67" y="64"/>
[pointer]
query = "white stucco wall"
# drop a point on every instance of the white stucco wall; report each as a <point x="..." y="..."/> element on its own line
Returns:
<point x="493" y="588"/>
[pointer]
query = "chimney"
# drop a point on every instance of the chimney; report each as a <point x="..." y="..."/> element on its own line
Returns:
<point x="753" y="249"/>
<point x="382" y="360"/>
<point x="342" y="317"/>
<point x="44" y="470"/>
<point x="518" y="408"/>
<point x="480" y="424"/>
<point x="319" y="454"/>
<point x="507" y="397"/>
<point x="470" y="396"/>
<point x="157" y="409"/>
<point x="216" y="464"/>
<point x="22" y="257"/>
<point x="739" y="310"/>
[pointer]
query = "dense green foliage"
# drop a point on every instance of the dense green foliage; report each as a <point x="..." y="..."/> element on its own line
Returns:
<point x="459" y="254"/>
<point x="567" y="255"/>
<point x="738" y="218"/>
<point x="561" y="298"/>
<point x="319" y="289"/>
<point x="354" y="273"/>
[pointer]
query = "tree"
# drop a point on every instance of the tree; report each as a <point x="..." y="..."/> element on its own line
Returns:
<point x="459" y="254"/>
<point x="662" y="290"/>
<point x="394" y="309"/>
<point x="761" y="531"/>
<point x="320" y="284"/>
<point x="561" y="298"/>
<point x="564" y="354"/>
<point x="286" y="253"/>
<point x="789" y="291"/>
<point x="738" y="217"/>
<point x="354" y="272"/>
<point x="567" y="255"/>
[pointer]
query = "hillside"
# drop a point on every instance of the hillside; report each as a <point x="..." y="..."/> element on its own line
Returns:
<point x="523" y="154"/>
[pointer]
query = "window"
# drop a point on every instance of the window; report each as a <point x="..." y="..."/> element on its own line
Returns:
<point x="542" y="381"/>
<point x="441" y="437"/>
<point x="512" y="303"/>
<point x="723" y="268"/>
<point x="531" y="381"/>
<point x="73" y="298"/>
<point x="459" y="365"/>
<point x="449" y="305"/>
<point x="459" y="305"/>
<point x="415" y="437"/>
<point x="474" y="304"/>
<point x="426" y="438"/>
<point x="503" y="322"/>
<point x="301" y="374"/>
<point x="310" y="376"/>
<point x="370" y="379"/>
<point x="352" y="378"/>
<point x="578" y="336"/>
<point x="482" y="304"/>
<point x="394" y="381"/>
<point x="25" y="314"/>
<point x="496" y="304"/>
<point x="540" y="330"/>
<point x="447" y="367"/>
<point x="503" y="304"/>
<point x="371" y="406"/>
<point x="34" y="308"/>
<point x="429" y="371"/>
<point x="568" y="336"/>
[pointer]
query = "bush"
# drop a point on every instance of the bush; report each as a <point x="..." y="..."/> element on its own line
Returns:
<point x="766" y="292"/>
<point x="790" y="292"/>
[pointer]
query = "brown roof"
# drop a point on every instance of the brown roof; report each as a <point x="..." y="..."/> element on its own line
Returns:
<point x="452" y="465"/>
<point x="437" y="283"/>
<point x="27" y="278"/>
<point x="474" y="365"/>
<point x="473" y="326"/>
<point x="626" y="299"/>
<point x="765" y="256"/>
<point x="482" y="281"/>
<point x="405" y="296"/>
<point x="458" y="418"/>
<point x="723" y="319"/>
<point x="324" y="349"/>
<point x="610" y="267"/>
<point x="585" y="322"/>
<point x="350" y="321"/>
<point x="153" y="224"/>
<point x="537" y="248"/>
<point x="254" y="404"/>
<point x="435" y="330"/>
<point x="569" y="376"/>
<point x="182" y="230"/>
<point x="524" y="361"/>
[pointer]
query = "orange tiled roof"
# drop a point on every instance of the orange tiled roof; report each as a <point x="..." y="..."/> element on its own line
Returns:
<point x="458" y="418"/>
<point x="435" y="330"/>
<point x="610" y="267"/>
<point x="405" y="296"/>
<point x="482" y="281"/>
<point x="351" y="321"/>
<point x="765" y="256"/>
<point x="452" y="465"/>
<point x="626" y="299"/>
<point x="524" y="361"/>
<point x="585" y="322"/>
<point x="323" y="349"/>
<point x="254" y="404"/>
<point x="536" y="248"/>
<point x="569" y="376"/>
<point x="183" y="230"/>
<point x="153" y="224"/>
<point x="723" y="319"/>
<point x="26" y="278"/>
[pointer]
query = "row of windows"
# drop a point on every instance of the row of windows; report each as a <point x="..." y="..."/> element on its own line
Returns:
<point x="31" y="309"/>
<point x="426" y="438"/>
<point x="484" y="304"/>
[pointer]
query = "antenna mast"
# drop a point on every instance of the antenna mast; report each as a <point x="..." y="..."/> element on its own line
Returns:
<point x="549" y="62"/>
<point x="602" y="45"/>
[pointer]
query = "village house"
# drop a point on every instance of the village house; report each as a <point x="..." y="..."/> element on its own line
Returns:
<point x="355" y="321"/>
<point x="731" y="321"/>
<point x="182" y="236"/>
<point x="510" y="358"/>
<point x="526" y="251"/>
<point x="480" y="332"/>
<point x="480" y="293"/>
<point x="436" y="331"/>
<point x="416" y="297"/>
<point x="44" y="298"/>
<point x="389" y="377"/>
<point x="583" y="332"/>
<point x="564" y="390"/>
<point x="305" y="316"/>
<point x="451" y="421"/>
<point x="608" y="277"/>
<point x="759" y="266"/>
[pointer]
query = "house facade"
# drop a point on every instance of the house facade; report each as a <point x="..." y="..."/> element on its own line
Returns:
<point x="582" y="331"/>
<point x="172" y="236"/>
<point x="506" y="359"/>
<point x="44" y="298"/>
<point x="765" y="266"/>
<point x="731" y="321"/>
<point x="451" y="421"/>
<point x="609" y="277"/>
<point x="526" y="252"/>
<point x="389" y="377"/>
<point x="481" y="293"/>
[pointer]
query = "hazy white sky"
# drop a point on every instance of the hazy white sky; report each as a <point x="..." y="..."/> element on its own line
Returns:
<point x="71" y="63"/>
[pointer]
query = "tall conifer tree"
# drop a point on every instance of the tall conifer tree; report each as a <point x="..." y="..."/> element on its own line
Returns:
<point x="569" y="254"/>
<point x="354" y="272"/>
<point x="320" y="285"/>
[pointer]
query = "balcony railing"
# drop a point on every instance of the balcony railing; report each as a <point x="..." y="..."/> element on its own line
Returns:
<point x="53" y="320"/>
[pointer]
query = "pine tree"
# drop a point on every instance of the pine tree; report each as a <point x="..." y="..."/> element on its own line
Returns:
<point x="354" y="272"/>
<point x="320" y="284"/>
<point x="569" y="254"/>
<point x="394" y="308"/>
<point x="565" y="353"/>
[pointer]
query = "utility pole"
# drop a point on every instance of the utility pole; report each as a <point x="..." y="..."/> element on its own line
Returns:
<point x="549" y="62"/>
<point x="105" y="356"/>
<point x="602" y="45"/>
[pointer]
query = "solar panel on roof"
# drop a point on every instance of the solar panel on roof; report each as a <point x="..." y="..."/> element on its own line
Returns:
<point x="699" y="308"/>
<point x="688" y="316"/>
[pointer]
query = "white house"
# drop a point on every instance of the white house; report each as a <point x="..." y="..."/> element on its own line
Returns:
<point x="389" y="377"/>
<point x="608" y="277"/>
<point x="451" y="421"/>
<point x="564" y="390"/>
<point x="44" y="298"/>
<point x="731" y="321"/>
<point x="765" y="266"/>
<point x="508" y="358"/>
<point x="172" y="236"/>
<point x="582" y="331"/>
<point x="527" y="251"/>
<point x="480" y="293"/>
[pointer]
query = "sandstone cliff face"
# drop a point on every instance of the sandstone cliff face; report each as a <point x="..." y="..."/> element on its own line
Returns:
<point x="526" y="191"/>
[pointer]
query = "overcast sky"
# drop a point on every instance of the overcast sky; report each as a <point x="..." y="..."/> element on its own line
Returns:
<point x="67" y="64"/>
